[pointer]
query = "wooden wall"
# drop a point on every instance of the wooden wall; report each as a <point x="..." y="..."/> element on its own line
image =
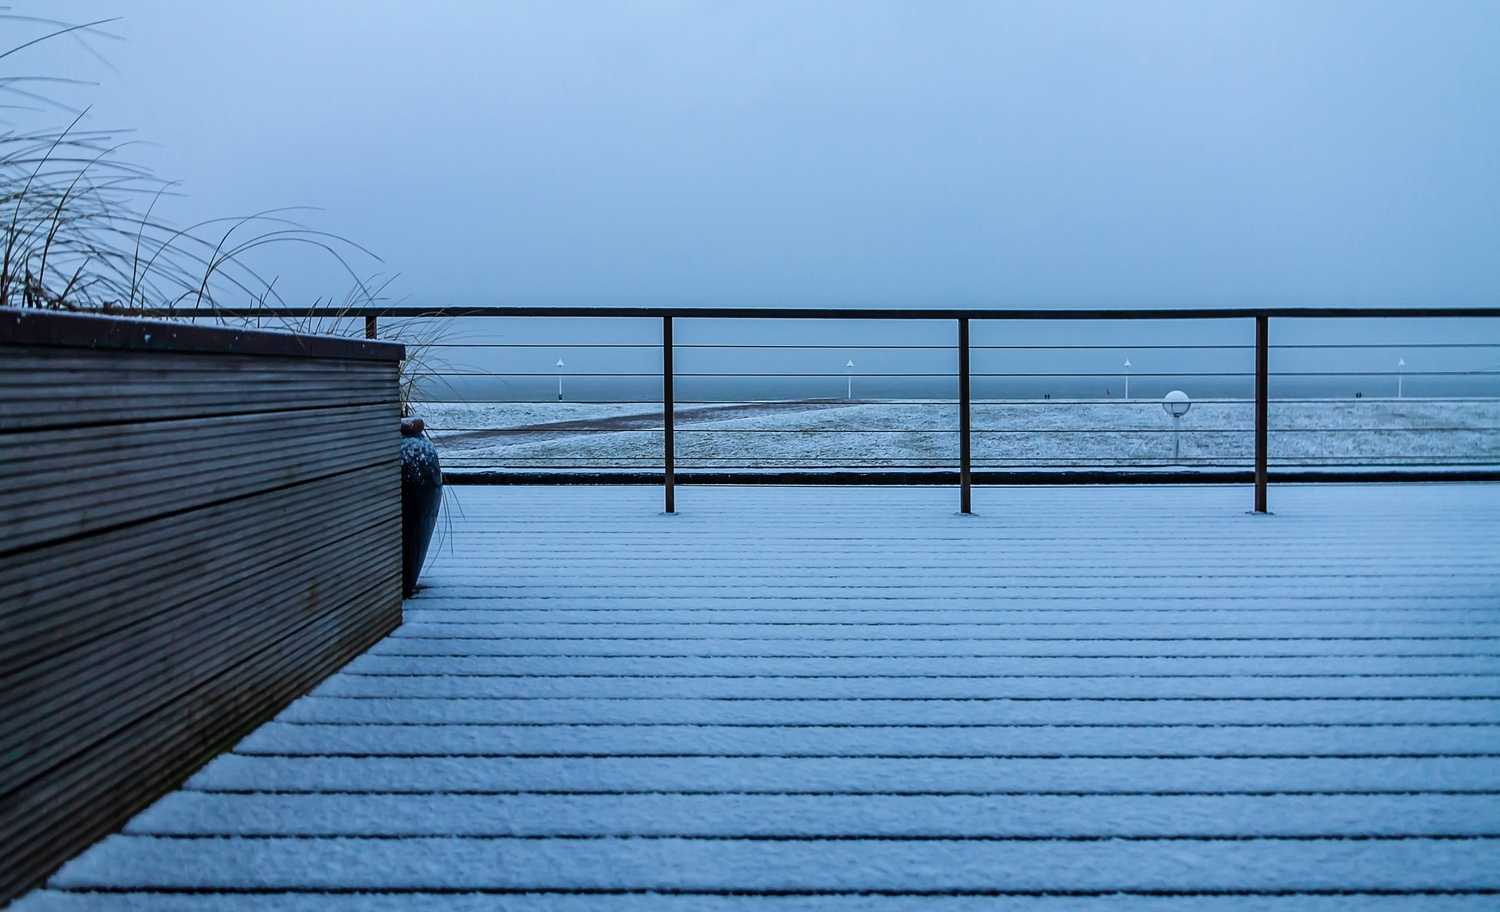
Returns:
<point x="197" y="525"/>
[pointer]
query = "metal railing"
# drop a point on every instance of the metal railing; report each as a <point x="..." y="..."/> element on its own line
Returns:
<point x="961" y="470"/>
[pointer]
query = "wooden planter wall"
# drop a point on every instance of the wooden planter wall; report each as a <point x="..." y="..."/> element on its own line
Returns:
<point x="197" y="525"/>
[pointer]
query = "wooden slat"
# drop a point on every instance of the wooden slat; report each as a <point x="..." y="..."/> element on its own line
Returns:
<point x="412" y="710"/>
<point x="609" y="775"/>
<point x="301" y="739"/>
<point x="807" y="867"/>
<point x="83" y="480"/>
<point x="62" y="389"/>
<point x="195" y="813"/>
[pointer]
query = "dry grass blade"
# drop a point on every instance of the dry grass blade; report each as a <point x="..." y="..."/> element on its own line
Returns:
<point x="81" y="234"/>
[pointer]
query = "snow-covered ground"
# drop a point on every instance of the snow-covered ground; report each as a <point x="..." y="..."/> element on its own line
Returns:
<point x="1033" y="434"/>
<point x="1076" y="699"/>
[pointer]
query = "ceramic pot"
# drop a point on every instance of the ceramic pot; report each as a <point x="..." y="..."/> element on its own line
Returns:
<point x="421" y="496"/>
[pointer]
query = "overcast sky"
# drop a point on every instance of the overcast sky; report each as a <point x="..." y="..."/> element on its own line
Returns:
<point x="1045" y="153"/>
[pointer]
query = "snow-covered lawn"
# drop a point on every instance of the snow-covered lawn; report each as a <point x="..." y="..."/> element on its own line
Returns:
<point x="832" y="434"/>
<point x="853" y="698"/>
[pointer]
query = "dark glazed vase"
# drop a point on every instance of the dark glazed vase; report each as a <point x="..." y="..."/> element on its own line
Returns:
<point x="421" y="496"/>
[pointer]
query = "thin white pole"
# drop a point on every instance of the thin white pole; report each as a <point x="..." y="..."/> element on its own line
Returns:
<point x="1127" y="378"/>
<point x="1400" y="375"/>
<point x="849" y="386"/>
<point x="559" y="379"/>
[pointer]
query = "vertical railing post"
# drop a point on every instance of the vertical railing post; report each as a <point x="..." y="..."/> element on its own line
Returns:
<point x="668" y="446"/>
<point x="1262" y="410"/>
<point x="369" y="327"/>
<point x="963" y="415"/>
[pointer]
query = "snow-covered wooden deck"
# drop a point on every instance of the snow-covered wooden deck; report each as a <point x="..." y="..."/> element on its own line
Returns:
<point x="853" y="698"/>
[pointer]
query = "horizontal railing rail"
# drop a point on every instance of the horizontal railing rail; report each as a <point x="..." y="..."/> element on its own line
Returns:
<point x="842" y="313"/>
<point x="940" y="468"/>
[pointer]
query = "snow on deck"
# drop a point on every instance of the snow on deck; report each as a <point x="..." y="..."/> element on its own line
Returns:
<point x="855" y="698"/>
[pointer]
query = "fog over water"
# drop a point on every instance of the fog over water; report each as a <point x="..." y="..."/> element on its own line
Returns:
<point x="872" y="154"/>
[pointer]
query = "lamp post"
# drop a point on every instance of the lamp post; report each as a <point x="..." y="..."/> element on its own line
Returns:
<point x="1400" y="375"/>
<point x="849" y="386"/>
<point x="1127" y="378"/>
<point x="1176" y="404"/>
<point x="559" y="379"/>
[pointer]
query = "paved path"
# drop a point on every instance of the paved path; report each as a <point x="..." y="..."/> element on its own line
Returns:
<point x="1082" y="698"/>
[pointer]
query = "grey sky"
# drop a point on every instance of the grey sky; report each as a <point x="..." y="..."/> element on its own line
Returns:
<point x="837" y="153"/>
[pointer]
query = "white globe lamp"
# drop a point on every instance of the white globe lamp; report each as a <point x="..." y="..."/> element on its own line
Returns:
<point x="1176" y="403"/>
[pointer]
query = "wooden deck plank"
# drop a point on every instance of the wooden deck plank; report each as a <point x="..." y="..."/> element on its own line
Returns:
<point x="240" y="772"/>
<point x="425" y="864"/>
<point x="260" y="814"/>
<point x="696" y="902"/>
<point x="912" y="688"/>
<point x="791" y="713"/>
<point x="277" y="739"/>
